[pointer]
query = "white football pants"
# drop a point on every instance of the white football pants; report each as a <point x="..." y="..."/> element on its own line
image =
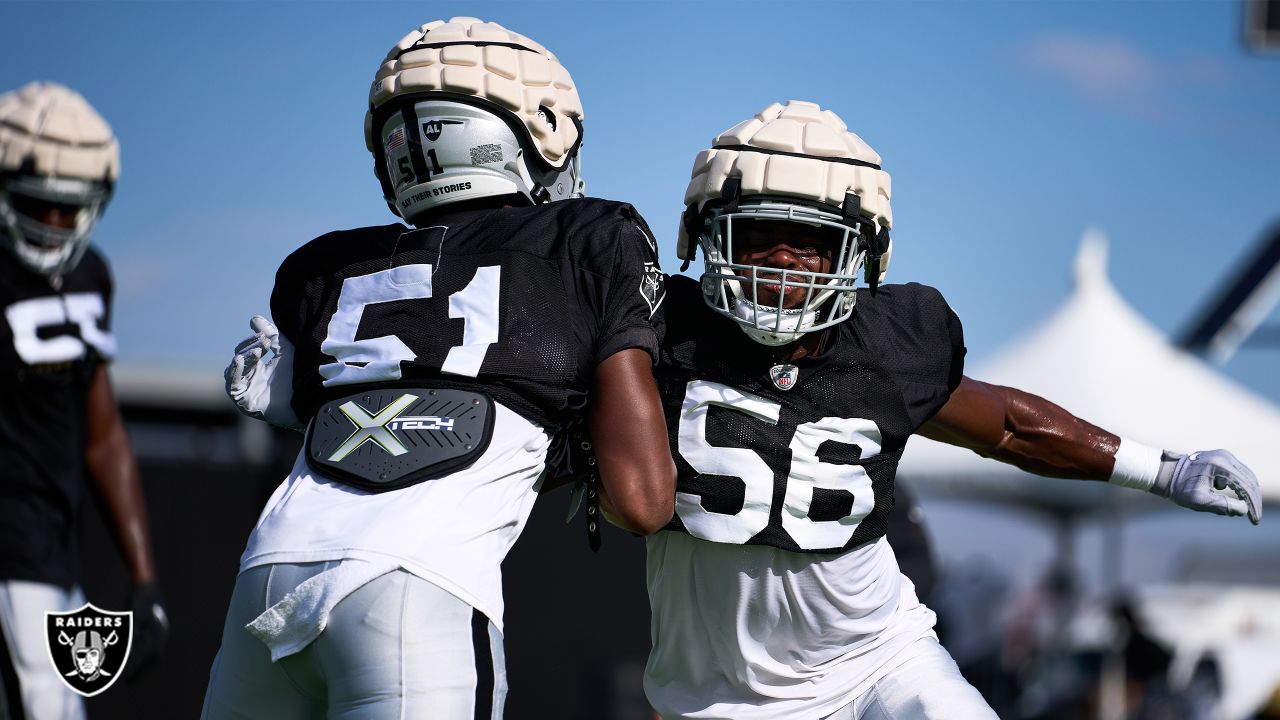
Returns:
<point x="398" y="648"/>
<point x="927" y="685"/>
<point x="22" y="607"/>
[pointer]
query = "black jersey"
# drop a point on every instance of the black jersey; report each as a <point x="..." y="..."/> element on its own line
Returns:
<point x="521" y="303"/>
<point x="801" y="456"/>
<point x="51" y="343"/>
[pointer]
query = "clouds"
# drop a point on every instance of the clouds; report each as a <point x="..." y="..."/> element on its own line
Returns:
<point x="1099" y="69"/>
<point x="1117" y="75"/>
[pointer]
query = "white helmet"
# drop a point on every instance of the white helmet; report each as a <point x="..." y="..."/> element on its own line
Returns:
<point x="54" y="151"/>
<point x="467" y="109"/>
<point x="797" y="163"/>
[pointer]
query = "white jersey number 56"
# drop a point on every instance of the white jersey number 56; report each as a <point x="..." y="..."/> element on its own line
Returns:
<point x="805" y="474"/>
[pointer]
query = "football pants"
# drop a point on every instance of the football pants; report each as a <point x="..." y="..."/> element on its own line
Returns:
<point x="398" y="647"/>
<point x="22" y="607"/>
<point x="926" y="685"/>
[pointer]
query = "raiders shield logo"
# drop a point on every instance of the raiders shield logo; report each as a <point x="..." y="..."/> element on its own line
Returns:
<point x="89" y="647"/>
<point x="784" y="376"/>
<point x="651" y="286"/>
<point x="433" y="128"/>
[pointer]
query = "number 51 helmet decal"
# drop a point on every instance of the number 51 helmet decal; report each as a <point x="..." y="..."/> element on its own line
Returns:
<point x="467" y="109"/>
<point x="792" y="162"/>
<point x="58" y="158"/>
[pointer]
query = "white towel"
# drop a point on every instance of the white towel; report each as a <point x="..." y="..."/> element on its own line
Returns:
<point x="301" y="615"/>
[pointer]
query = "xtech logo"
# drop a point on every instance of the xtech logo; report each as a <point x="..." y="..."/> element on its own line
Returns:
<point x="377" y="428"/>
<point x="89" y="646"/>
<point x="433" y="128"/>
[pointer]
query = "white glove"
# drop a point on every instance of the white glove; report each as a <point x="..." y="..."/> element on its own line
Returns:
<point x="1194" y="480"/>
<point x="262" y="388"/>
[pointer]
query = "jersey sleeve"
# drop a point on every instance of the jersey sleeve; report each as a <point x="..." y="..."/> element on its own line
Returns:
<point x="103" y="281"/>
<point x="108" y="293"/>
<point x="292" y="301"/>
<point x="289" y="309"/>
<point x="927" y="350"/>
<point x="286" y="310"/>
<point x="636" y="289"/>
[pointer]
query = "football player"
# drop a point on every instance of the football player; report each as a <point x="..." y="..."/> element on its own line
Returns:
<point x="790" y="393"/>
<point x="61" y="431"/>
<point x="436" y="371"/>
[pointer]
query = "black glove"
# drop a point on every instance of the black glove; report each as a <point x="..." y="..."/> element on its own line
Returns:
<point x="150" y="628"/>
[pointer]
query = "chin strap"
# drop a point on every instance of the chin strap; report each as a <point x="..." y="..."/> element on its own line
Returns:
<point x="695" y="222"/>
<point x="875" y="246"/>
<point x="692" y="228"/>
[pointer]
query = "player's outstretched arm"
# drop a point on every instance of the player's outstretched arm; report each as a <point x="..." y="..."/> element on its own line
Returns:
<point x="261" y="385"/>
<point x="629" y="436"/>
<point x="1040" y="437"/>
<point x="114" y="473"/>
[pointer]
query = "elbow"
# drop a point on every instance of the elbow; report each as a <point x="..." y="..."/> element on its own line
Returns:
<point x="102" y="452"/>
<point x="646" y="505"/>
<point x="654" y="516"/>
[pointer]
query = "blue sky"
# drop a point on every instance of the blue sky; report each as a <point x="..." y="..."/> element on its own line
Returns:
<point x="1008" y="128"/>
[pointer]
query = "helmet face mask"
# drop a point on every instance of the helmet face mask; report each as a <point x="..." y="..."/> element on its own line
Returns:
<point x="798" y="166"/>
<point x="50" y="249"/>
<point x="745" y="293"/>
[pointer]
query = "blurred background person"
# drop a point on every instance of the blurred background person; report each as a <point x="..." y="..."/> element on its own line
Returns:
<point x="61" y="435"/>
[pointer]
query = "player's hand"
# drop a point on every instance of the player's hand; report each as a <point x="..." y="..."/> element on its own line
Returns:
<point x="260" y="384"/>
<point x="1195" y="481"/>
<point x="249" y="353"/>
<point x="150" y="628"/>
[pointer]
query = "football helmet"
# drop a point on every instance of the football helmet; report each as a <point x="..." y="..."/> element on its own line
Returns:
<point x="797" y="163"/>
<point x="57" y="157"/>
<point x="467" y="109"/>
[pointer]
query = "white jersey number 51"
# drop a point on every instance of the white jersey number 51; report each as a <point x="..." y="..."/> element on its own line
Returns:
<point x="378" y="359"/>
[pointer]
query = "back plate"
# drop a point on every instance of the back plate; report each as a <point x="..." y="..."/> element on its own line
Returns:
<point x="388" y="438"/>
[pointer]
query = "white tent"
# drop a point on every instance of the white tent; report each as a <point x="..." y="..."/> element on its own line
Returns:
<point x="1101" y="360"/>
<point x="1098" y="358"/>
<point x="1239" y="628"/>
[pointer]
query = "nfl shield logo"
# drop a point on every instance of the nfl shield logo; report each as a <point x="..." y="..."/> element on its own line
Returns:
<point x="89" y="647"/>
<point x="784" y="376"/>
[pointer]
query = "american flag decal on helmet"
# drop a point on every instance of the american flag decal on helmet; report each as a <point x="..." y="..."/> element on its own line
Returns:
<point x="395" y="139"/>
